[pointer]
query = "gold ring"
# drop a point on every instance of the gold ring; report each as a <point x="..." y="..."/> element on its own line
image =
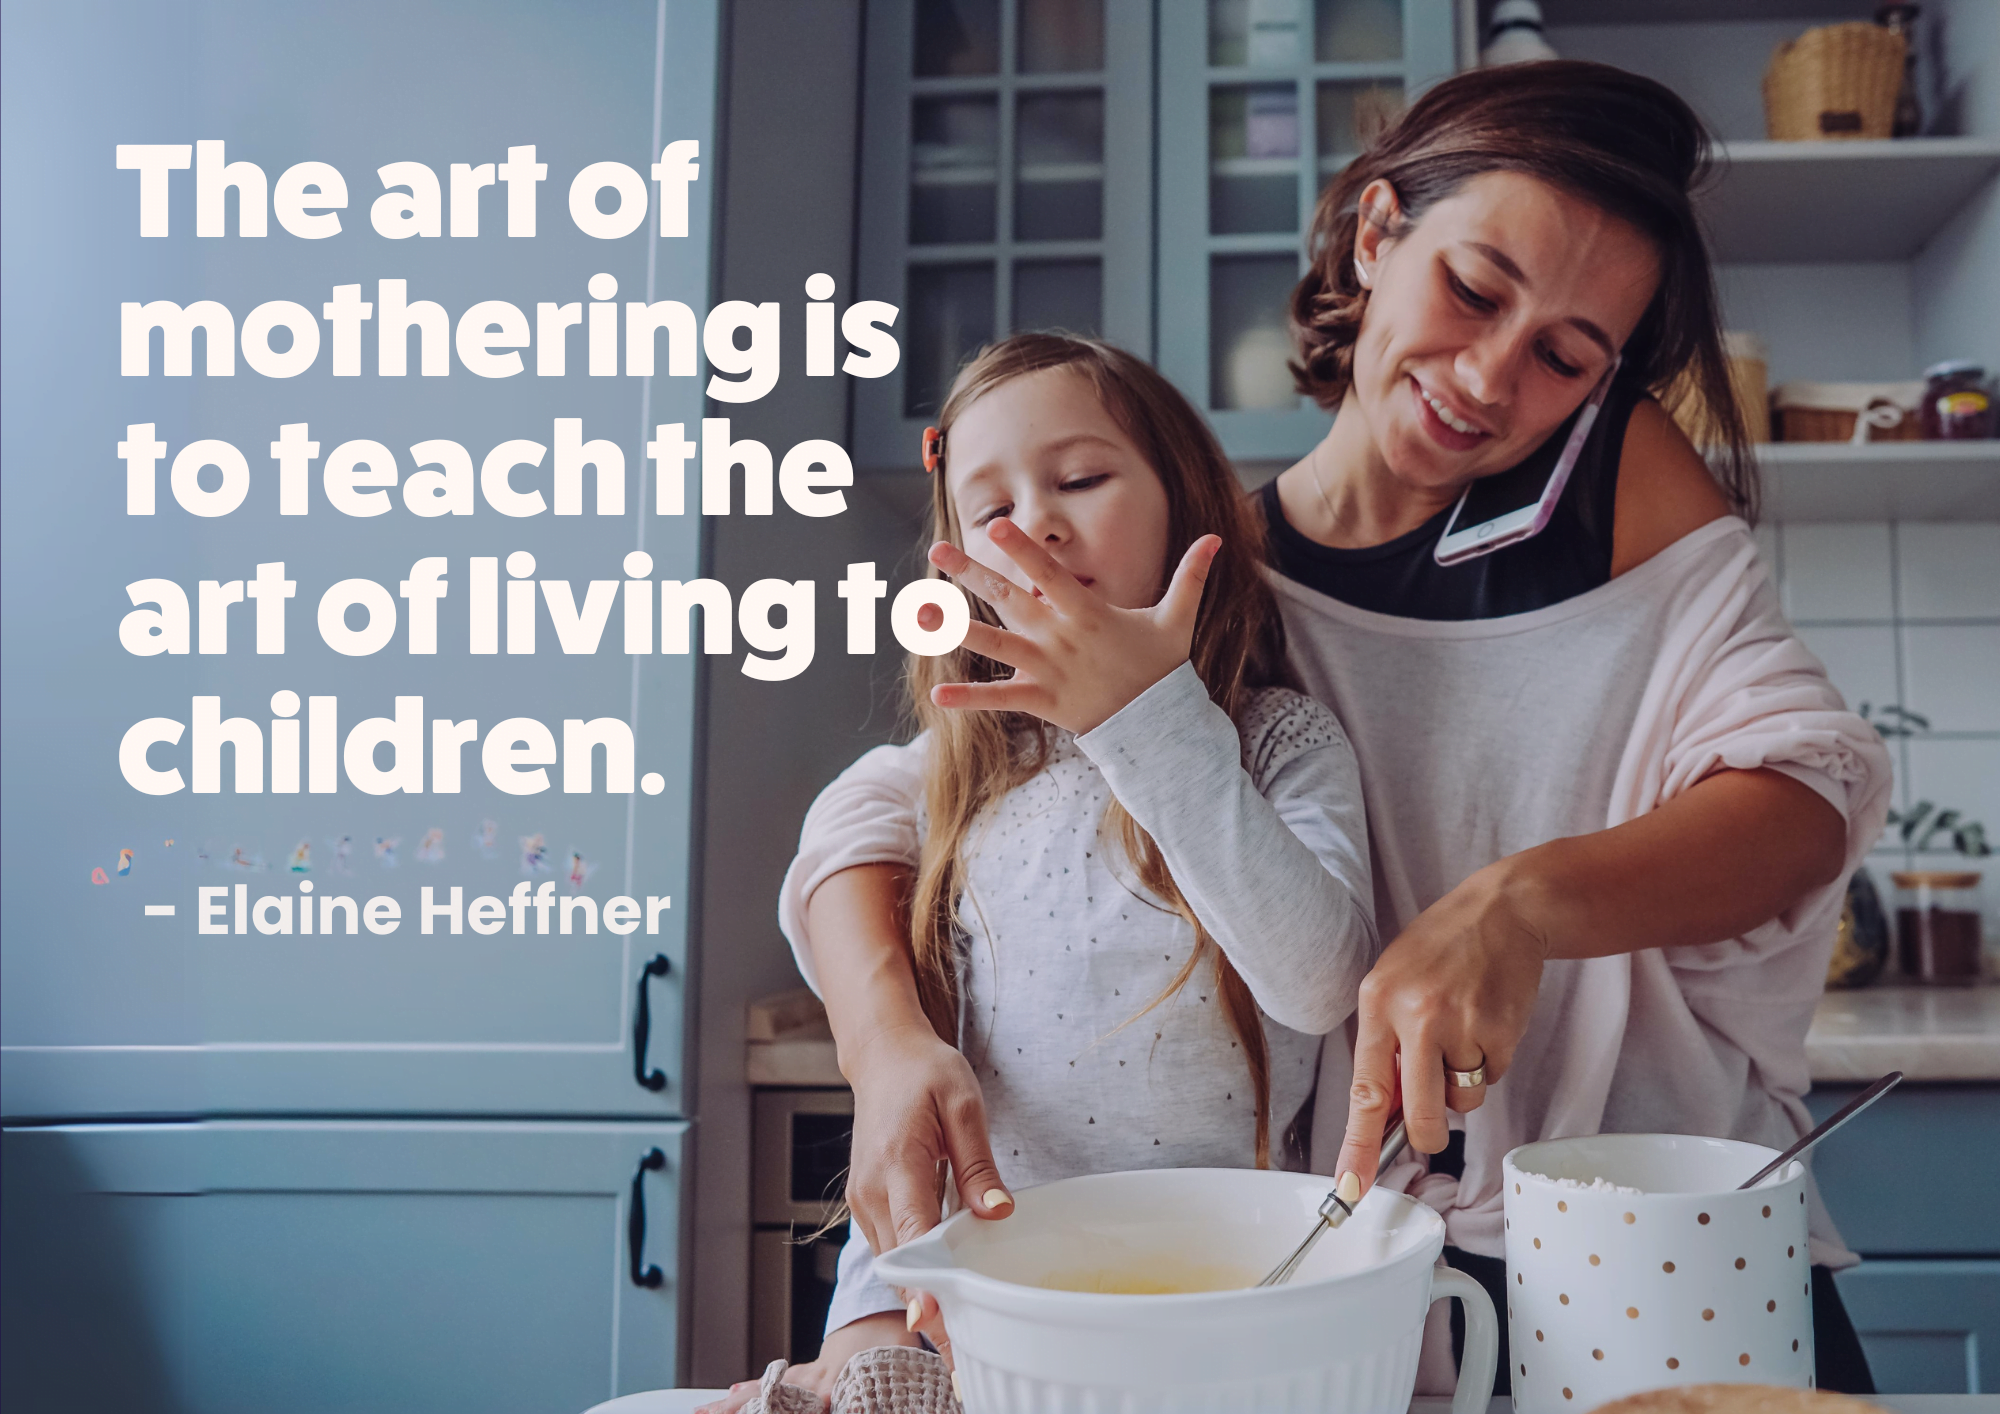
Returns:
<point x="1467" y="1079"/>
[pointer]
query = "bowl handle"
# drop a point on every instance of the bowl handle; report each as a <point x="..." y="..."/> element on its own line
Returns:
<point x="1482" y="1339"/>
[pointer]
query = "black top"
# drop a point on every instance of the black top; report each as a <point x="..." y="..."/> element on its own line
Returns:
<point x="1402" y="577"/>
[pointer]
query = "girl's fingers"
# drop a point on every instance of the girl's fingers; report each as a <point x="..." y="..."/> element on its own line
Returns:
<point x="991" y="696"/>
<point x="972" y="1165"/>
<point x="1057" y="584"/>
<point x="1182" y="601"/>
<point x="739" y="1395"/>
<point x="922" y="1311"/>
<point x="1003" y="647"/>
<point x="913" y="1209"/>
<point x="861" y="1211"/>
<point x="924" y="1317"/>
<point x="1013" y="603"/>
<point x="934" y="1331"/>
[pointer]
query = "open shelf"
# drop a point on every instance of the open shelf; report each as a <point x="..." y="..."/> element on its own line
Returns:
<point x="1833" y="481"/>
<point x="1662" y="12"/>
<point x="1810" y="202"/>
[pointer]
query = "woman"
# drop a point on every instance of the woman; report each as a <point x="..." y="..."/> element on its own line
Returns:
<point x="1611" y="798"/>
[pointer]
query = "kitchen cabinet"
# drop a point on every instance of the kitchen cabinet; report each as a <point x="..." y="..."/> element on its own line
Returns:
<point x="240" y="1267"/>
<point x="108" y="1010"/>
<point x="1261" y="105"/>
<point x="367" y="1025"/>
<point x="343" y="1170"/>
<point x="1926" y="1297"/>
<point x="1024" y="161"/>
<point x="1006" y="183"/>
<point x="1929" y="1327"/>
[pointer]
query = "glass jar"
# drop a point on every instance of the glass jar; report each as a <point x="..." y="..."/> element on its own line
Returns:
<point x="1938" y="936"/>
<point x="1902" y="19"/>
<point x="1957" y="406"/>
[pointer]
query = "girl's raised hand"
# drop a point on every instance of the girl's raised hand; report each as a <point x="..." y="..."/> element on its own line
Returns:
<point x="1077" y="660"/>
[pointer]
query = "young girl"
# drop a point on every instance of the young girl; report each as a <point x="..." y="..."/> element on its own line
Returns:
<point x="1139" y="904"/>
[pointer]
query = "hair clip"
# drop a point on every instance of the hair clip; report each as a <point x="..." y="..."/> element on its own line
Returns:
<point x="933" y="448"/>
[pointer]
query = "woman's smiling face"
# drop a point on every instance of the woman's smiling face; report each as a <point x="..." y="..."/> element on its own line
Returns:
<point x="1490" y="320"/>
<point x="1042" y="451"/>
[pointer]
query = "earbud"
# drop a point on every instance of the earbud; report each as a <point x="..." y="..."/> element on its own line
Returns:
<point x="1361" y="273"/>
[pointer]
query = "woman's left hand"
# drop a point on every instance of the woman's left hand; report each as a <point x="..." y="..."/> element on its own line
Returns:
<point x="1453" y="990"/>
<point x="1076" y="659"/>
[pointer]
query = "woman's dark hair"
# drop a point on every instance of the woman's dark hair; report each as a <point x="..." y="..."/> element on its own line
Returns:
<point x="1623" y="143"/>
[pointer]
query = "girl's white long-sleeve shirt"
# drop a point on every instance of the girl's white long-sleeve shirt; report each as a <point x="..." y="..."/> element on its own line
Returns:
<point x="1262" y="826"/>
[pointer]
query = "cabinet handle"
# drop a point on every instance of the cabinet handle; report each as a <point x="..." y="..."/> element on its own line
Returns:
<point x="642" y="1026"/>
<point x="635" y="1222"/>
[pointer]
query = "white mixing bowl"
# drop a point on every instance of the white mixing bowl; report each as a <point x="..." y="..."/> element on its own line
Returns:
<point x="1343" y="1335"/>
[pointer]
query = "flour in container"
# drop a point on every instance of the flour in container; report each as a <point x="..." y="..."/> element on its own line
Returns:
<point x="1595" y="1185"/>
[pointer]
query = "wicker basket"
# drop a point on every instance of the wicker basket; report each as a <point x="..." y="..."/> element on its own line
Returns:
<point x="1748" y="379"/>
<point x="1827" y="412"/>
<point x="1835" y="82"/>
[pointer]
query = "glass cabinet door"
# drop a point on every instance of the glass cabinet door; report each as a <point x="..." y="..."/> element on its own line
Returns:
<point x="1262" y="103"/>
<point x="1006" y="185"/>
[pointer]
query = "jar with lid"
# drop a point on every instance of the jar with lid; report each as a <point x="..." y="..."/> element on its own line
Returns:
<point x="1957" y="405"/>
<point x="1938" y="933"/>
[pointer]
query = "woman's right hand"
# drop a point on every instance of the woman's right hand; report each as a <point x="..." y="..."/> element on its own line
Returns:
<point x="917" y="1107"/>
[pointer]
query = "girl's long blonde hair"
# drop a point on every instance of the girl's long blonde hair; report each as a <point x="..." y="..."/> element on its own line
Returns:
<point x="977" y="757"/>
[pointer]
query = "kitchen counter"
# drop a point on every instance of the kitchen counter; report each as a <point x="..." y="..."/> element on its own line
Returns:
<point x="1928" y="1033"/>
<point x="790" y="1042"/>
<point x="686" y="1401"/>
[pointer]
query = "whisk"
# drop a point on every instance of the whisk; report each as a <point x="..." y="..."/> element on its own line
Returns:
<point x="1335" y="1210"/>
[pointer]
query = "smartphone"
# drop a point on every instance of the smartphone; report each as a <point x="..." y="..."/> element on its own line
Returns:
<point x="1509" y="506"/>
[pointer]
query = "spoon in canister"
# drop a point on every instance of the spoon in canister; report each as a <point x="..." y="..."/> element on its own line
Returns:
<point x="1825" y="1127"/>
<point x="1335" y="1210"/>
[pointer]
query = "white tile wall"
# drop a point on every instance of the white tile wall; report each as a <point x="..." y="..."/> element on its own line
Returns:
<point x="1951" y="673"/>
<point x="1835" y="572"/>
<point x="1957" y="773"/>
<point x="1909" y="614"/>
<point x="1950" y="571"/>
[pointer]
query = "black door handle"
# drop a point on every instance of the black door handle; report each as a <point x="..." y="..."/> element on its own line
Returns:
<point x="635" y="1223"/>
<point x="642" y="1026"/>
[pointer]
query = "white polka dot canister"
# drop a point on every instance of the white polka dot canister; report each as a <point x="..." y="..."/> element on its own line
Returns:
<point x="1634" y="1263"/>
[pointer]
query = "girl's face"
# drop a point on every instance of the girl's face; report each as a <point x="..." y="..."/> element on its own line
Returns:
<point x="1042" y="451"/>
<point x="1490" y="321"/>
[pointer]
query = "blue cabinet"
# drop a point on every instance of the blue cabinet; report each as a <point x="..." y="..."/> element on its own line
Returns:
<point x="244" y="1248"/>
<point x="1907" y="1183"/>
<point x="109" y="1010"/>
<point x="1929" y="1327"/>
<point x="321" y="1266"/>
<point x="1260" y="107"/>
<point x="1006" y="184"/>
<point x="1142" y="172"/>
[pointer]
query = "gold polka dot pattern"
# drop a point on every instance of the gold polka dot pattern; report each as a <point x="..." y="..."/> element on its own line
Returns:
<point x="1628" y="1276"/>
